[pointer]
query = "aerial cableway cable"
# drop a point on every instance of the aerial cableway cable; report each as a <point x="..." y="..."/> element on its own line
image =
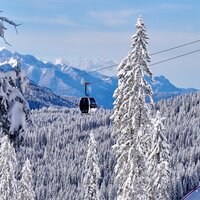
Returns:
<point x="156" y="63"/>
<point x="175" y="47"/>
<point x="156" y="53"/>
<point x="173" y="58"/>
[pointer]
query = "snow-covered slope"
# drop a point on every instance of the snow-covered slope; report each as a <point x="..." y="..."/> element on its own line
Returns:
<point x="65" y="80"/>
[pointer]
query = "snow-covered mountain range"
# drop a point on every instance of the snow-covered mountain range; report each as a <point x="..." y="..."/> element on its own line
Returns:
<point x="66" y="80"/>
<point x="91" y="65"/>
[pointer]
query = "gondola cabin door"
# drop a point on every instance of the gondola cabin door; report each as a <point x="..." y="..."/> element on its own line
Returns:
<point x="84" y="105"/>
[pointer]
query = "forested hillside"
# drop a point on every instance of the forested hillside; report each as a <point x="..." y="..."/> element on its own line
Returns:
<point x="57" y="145"/>
<point x="182" y="122"/>
<point x="39" y="97"/>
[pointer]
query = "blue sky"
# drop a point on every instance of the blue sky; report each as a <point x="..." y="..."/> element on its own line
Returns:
<point x="73" y="29"/>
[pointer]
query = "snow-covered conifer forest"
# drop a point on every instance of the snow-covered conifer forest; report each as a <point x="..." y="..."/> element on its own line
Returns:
<point x="57" y="146"/>
<point x="136" y="151"/>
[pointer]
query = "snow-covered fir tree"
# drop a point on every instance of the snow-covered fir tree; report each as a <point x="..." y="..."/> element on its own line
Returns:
<point x="92" y="172"/>
<point x="8" y="164"/>
<point x="132" y="119"/>
<point x="14" y="108"/>
<point x="4" y="120"/>
<point x="159" y="163"/>
<point x="21" y="81"/>
<point x="25" y="185"/>
<point x="14" y="111"/>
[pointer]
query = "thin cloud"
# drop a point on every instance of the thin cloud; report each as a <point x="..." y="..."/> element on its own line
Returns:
<point x="58" y="20"/>
<point x="122" y="17"/>
<point x="114" y="18"/>
<point x="171" y="7"/>
<point x="175" y="7"/>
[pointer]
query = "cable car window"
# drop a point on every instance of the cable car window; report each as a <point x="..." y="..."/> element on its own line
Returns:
<point x="92" y="101"/>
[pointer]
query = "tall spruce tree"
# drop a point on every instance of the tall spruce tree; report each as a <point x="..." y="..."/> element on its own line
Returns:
<point x="132" y="119"/>
<point x="159" y="163"/>
<point x="8" y="164"/>
<point x="25" y="188"/>
<point x="92" y="172"/>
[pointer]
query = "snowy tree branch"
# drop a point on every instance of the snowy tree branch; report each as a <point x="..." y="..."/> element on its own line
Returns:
<point x="3" y="28"/>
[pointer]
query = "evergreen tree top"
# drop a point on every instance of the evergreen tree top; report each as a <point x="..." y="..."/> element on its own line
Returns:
<point x="140" y="23"/>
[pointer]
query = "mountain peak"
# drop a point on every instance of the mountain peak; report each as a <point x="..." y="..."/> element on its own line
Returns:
<point x="2" y="48"/>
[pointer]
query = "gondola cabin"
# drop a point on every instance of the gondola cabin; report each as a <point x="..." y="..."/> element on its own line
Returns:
<point x="87" y="104"/>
